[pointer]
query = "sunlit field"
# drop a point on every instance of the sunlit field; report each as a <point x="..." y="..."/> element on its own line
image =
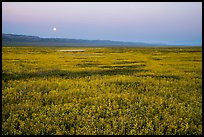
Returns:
<point x="101" y="91"/>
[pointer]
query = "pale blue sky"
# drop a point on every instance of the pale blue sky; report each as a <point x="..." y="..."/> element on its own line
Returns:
<point x="157" y="22"/>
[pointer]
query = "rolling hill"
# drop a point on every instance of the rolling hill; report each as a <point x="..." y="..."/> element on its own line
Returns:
<point x="25" y="40"/>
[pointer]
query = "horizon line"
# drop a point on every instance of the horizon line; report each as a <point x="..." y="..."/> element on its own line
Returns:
<point x="105" y="40"/>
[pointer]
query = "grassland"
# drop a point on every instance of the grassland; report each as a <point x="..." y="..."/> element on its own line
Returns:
<point x="132" y="91"/>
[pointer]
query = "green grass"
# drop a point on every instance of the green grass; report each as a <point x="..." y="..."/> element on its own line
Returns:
<point x="102" y="91"/>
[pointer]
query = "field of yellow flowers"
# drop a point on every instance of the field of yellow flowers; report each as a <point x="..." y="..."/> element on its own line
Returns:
<point x="102" y="91"/>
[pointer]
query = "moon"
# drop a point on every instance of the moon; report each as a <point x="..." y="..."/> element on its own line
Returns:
<point x="54" y="29"/>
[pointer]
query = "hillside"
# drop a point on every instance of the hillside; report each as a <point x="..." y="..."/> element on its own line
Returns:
<point x="25" y="40"/>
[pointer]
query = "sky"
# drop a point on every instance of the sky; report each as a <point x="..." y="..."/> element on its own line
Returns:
<point x="174" y="23"/>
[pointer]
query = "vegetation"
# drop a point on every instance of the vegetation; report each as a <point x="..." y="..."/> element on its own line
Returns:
<point x="120" y="91"/>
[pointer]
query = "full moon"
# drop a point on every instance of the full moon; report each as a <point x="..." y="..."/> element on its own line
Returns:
<point x="54" y="29"/>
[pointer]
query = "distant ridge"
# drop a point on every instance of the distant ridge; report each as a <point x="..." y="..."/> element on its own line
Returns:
<point x="25" y="40"/>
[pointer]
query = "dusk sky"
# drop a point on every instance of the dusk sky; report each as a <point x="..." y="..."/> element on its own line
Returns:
<point x="177" y="23"/>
